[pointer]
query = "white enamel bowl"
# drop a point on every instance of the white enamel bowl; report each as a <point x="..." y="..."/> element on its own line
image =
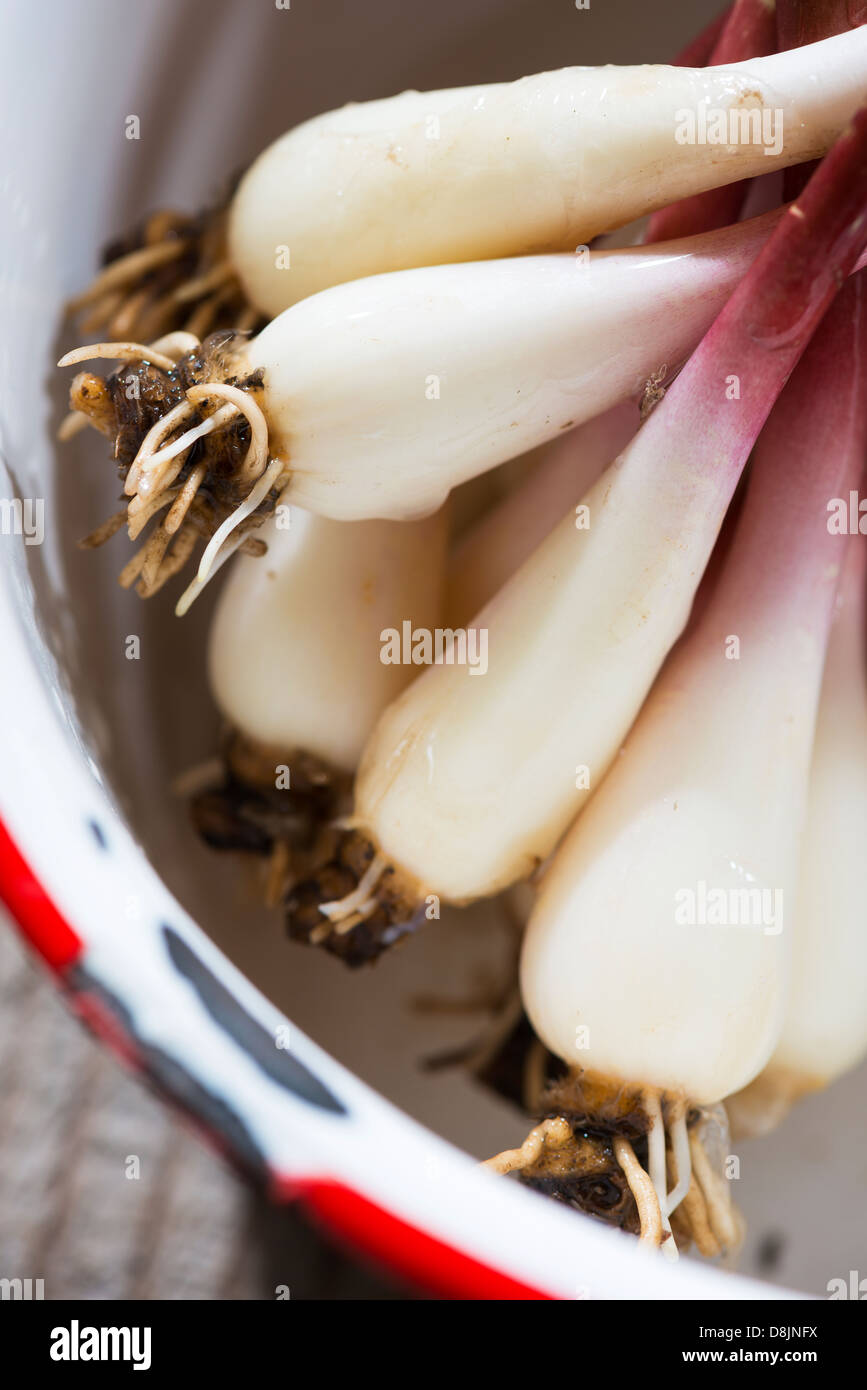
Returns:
<point x="305" y="1074"/>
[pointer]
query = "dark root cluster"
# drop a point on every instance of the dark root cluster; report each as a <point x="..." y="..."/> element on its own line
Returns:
<point x="128" y="401"/>
<point x="170" y="272"/>
<point x="354" y="905"/>
<point x="633" y="1158"/>
<point x="190" y="442"/>
<point x="316" y="867"/>
<point x="240" y="804"/>
<point x="582" y="1170"/>
<point x="583" y="1173"/>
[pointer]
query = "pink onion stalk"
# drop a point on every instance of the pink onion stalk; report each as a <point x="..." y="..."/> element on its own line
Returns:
<point x="825" y="1022"/>
<point x="492" y="550"/>
<point x="662" y="933"/>
<point x="717" y="763"/>
<point x="801" y="22"/>
<point x="543" y="164"/>
<point x="749" y="31"/>
<point x="697" y="52"/>
<point x="374" y="399"/>
<point x="468" y="782"/>
<point x="824" y="1031"/>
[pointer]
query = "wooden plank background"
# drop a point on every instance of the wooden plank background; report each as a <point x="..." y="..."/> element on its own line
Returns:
<point x="185" y="1228"/>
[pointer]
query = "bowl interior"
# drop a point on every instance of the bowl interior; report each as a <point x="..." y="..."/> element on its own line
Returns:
<point x="208" y="97"/>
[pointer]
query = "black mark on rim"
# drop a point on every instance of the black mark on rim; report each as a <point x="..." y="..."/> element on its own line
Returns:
<point x="171" y="1079"/>
<point x="98" y="833"/>
<point x="277" y="1063"/>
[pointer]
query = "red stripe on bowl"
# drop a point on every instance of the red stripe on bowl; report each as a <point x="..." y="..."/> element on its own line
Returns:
<point x="32" y="908"/>
<point x="423" y="1259"/>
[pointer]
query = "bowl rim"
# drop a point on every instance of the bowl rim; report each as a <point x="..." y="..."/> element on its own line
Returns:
<point x="173" y="1007"/>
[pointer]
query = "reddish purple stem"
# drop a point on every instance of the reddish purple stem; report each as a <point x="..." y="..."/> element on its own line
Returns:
<point x="808" y="21"/>
<point x="725" y="392"/>
<point x="698" y="51"/>
<point x="811" y="450"/>
<point x="749" y="31"/>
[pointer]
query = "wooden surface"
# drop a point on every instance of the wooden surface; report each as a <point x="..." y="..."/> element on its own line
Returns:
<point x="72" y="1124"/>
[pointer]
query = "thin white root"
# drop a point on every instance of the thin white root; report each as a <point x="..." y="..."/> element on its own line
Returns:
<point x="656" y="1166"/>
<point x="177" y="557"/>
<point x="104" y="532"/>
<point x="360" y="914"/>
<point x="158" y="463"/>
<point x="694" y="1208"/>
<point x="192" y="591"/>
<point x="682" y="1161"/>
<point x="715" y="1190"/>
<point x="127" y="268"/>
<point x="644" y="1192"/>
<point x="167" y="475"/>
<point x="689" y="1221"/>
<point x="120" y="352"/>
<point x="133" y="567"/>
<point x="176" y="344"/>
<point x="101" y="311"/>
<point x="184" y="499"/>
<point x="201" y="320"/>
<point x="155" y="550"/>
<point x="71" y="425"/>
<point x="212" y="280"/>
<point x="127" y="315"/>
<point x="152" y="463"/>
<point x="170" y="348"/>
<point x="257" y="454"/>
<point x="140" y="519"/>
<point x="341" y="908"/>
<point x="257" y="494"/>
<point x="149" y="446"/>
<point x="550" y="1133"/>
